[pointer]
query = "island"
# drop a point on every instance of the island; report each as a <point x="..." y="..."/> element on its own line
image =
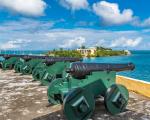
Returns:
<point x="87" y="52"/>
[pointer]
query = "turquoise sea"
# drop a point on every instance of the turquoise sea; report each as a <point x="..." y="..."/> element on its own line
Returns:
<point x="141" y="59"/>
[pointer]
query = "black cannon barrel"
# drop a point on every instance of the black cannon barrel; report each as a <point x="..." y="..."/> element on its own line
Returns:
<point x="2" y="54"/>
<point x="53" y="60"/>
<point x="12" y="55"/>
<point x="6" y="56"/>
<point x="80" y="70"/>
<point x="29" y="57"/>
<point x="48" y="59"/>
<point x="26" y="57"/>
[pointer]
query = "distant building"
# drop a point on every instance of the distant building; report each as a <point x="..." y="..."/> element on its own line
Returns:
<point x="87" y="51"/>
<point x="128" y="52"/>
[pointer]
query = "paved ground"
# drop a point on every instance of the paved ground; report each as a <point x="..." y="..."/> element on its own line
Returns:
<point x="23" y="99"/>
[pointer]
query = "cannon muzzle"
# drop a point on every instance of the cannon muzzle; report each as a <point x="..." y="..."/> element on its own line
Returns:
<point x="80" y="70"/>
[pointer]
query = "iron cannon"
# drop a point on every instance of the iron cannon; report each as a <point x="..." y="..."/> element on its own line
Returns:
<point x="51" y="69"/>
<point x="9" y="61"/>
<point x="28" y="66"/>
<point x="19" y="64"/>
<point x="83" y="83"/>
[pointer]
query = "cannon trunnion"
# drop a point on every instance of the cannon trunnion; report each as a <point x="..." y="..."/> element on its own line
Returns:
<point x="82" y="83"/>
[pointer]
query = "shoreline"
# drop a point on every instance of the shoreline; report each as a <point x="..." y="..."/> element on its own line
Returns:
<point x="138" y="86"/>
<point x="107" y="56"/>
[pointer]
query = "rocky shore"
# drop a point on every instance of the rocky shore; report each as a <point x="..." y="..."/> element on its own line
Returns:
<point x="23" y="99"/>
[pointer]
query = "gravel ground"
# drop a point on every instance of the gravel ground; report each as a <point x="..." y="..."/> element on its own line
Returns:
<point x="23" y="99"/>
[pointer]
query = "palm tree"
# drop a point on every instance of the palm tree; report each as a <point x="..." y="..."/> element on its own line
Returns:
<point x="83" y="47"/>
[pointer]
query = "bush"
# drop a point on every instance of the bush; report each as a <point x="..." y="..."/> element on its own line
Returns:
<point x="65" y="53"/>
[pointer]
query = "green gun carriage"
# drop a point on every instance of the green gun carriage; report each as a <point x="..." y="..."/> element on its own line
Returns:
<point x="1" y="59"/>
<point x="51" y="69"/>
<point x="29" y="66"/>
<point x="83" y="83"/>
<point x="9" y="61"/>
<point x="26" y="58"/>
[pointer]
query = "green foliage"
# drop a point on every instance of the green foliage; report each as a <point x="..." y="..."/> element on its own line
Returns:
<point x="65" y="53"/>
<point x="100" y="53"/>
<point x="102" y="48"/>
<point x="83" y="47"/>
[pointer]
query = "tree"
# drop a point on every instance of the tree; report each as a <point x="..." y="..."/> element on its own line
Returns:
<point x="83" y="47"/>
<point x="61" y="49"/>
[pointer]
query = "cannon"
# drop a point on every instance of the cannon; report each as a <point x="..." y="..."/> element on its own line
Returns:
<point x="51" y="69"/>
<point x="7" y="56"/>
<point x="28" y="66"/>
<point x="83" y="83"/>
<point x="19" y="64"/>
<point x="1" y="63"/>
<point x="1" y="60"/>
<point x="9" y="61"/>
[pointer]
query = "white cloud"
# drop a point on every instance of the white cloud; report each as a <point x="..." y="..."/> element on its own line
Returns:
<point x="126" y="42"/>
<point x="25" y="25"/>
<point x="73" y="43"/>
<point x="25" y="7"/>
<point x="100" y="42"/>
<point x="75" y="4"/>
<point x="14" y="44"/>
<point x="111" y="14"/>
<point x="8" y="45"/>
<point x="144" y="23"/>
<point x="42" y="37"/>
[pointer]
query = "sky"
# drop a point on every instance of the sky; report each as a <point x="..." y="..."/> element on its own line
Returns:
<point x="69" y="24"/>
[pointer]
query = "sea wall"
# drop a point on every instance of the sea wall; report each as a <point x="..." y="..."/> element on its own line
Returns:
<point x="134" y="85"/>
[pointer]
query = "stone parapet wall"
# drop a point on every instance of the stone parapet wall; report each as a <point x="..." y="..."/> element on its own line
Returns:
<point x="134" y="85"/>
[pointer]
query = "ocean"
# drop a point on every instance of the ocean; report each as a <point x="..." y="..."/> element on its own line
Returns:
<point x="141" y="59"/>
